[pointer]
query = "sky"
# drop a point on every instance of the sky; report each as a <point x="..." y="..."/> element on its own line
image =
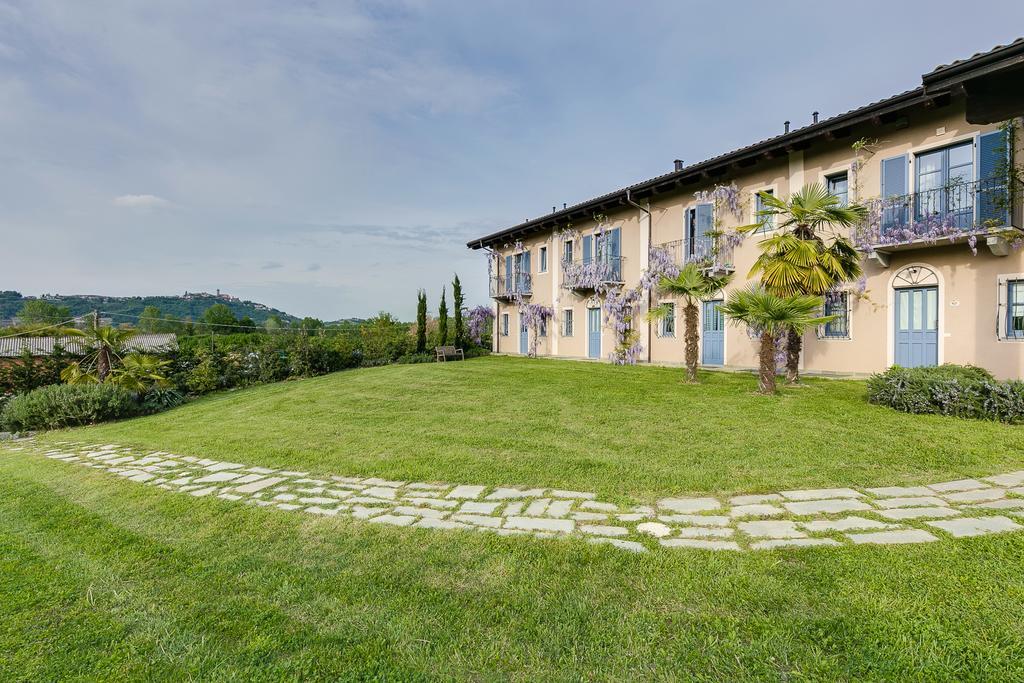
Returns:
<point x="331" y="158"/>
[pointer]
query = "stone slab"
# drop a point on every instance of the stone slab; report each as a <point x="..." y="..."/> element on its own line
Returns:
<point x="911" y="502"/>
<point x="577" y="495"/>
<point x="532" y="524"/>
<point x="844" y="524"/>
<point x="397" y="520"/>
<point x="603" y="530"/>
<point x="466" y="491"/>
<point x="918" y="513"/>
<point x="755" y="499"/>
<point x="705" y="532"/>
<point x="699" y="520"/>
<point x="478" y="520"/>
<point x="893" y="537"/>
<point x="689" y="505"/>
<point x="656" y="529"/>
<point x="631" y="546"/>
<point x="771" y="529"/>
<point x="1008" y="479"/>
<point x="976" y="526"/>
<point x="480" y="508"/>
<point x="755" y="510"/>
<point x="772" y="543"/>
<point x="699" y="543"/>
<point x="821" y="494"/>
<point x="977" y="496"/>
<point x="833" y="506"/>
<point x="510" y="494"/>
<point x="957" y="485"/>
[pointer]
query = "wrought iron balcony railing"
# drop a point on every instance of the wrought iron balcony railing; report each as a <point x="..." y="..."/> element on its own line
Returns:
<point x="948" y="212"/>
<point x="590" y="274"/>
<point x="707" y="251"/>
<point x="510" y="285"/>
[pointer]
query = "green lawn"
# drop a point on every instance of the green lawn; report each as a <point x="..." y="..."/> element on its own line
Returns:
<point x="104" y="579"/>
<point x="617" y="431"/>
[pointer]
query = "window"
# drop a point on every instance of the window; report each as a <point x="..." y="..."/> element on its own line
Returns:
<point x="543" y="259"/>
<point x="567" y="251"/>
<point x="1015" y="309"/>
<point x="839" y="185"/>
<point x="837" y="304"/>
<point x="504" y="324"/>
<point x="944" y="178"/>
<point x="667" y="323"/>
<point x="768" y="223"/>
<point x="543" y="328"/>
<point x="567" y="322"/>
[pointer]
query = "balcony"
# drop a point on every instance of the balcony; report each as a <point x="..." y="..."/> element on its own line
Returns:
<point x="584" y="276"/>
<point x="953" y="214"/>
<point x="511" y="285"/>
<point x="703" y="251"/>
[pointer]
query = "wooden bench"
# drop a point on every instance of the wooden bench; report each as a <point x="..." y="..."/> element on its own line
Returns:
<point x="446" y="352"/>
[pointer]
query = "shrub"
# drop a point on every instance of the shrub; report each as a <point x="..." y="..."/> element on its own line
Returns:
<point x="960" y="391"/>
<point x="68" y="405"/>
<point x="159" y="399"/>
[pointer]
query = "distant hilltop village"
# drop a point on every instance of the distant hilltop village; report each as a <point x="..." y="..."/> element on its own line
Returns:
<point x="188" y="306"/>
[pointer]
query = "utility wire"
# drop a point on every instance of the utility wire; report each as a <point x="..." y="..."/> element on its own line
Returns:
<point x="38" y="329"/>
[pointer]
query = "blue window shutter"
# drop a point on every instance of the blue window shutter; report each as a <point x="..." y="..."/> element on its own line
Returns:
<point x="993" y="198"/>
<point x="526" y="262"/>
<point x="615" y="243"/>
<point x="894" y="184"/>
<point x="705" y="219"/>
<point x="894" y="176"/>
<point x="588" y="248"/>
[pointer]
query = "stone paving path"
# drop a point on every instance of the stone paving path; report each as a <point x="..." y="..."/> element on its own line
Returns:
<point x="811" y="517"/>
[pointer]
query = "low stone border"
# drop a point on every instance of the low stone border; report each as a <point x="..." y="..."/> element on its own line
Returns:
<point x="798" y="518"/>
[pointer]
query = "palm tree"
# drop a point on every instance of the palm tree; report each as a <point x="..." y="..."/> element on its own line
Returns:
<point x="810" y="256"/>
<point x="692" y="284"/>
<point x="770" y="315"/>
<point x="108" y="345"/>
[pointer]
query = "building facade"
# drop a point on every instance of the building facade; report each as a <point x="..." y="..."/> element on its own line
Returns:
<point x="938" y="166"/>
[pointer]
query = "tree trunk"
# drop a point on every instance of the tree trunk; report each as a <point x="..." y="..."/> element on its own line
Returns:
<point x="103" y="363"/>
<point x="691" y="341"/>
<point x="766" y="382"/>
<point x="794" y="342"/>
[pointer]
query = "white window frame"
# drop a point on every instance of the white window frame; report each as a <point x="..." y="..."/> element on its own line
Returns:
<point x="1002" y="301"/>
<point x="504" y="324"/>
<point x="568" y="316"/>
<point x="828" y="175"/>
<point x="543" y="258"/>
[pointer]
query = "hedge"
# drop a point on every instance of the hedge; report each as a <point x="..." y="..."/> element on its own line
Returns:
<point x="68" y="405"/>
<point x="957" y="390"/>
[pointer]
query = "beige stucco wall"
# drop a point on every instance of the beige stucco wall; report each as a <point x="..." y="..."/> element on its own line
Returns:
<point x="968" y="291"/>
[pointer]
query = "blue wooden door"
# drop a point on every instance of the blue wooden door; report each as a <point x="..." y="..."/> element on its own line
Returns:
<point x="593" y="333"/>
<point x="713" y="334"/>
<point x="917" y="326"/>
<point x="524" y="337"/>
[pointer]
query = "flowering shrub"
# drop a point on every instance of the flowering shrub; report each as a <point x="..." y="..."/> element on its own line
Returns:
<point x="960" y="391"/>
<point x="479" y="319"/>
<point x="533" y="315"/>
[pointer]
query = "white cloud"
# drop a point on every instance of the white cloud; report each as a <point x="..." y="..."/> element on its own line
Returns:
<point x="141" y="201"/>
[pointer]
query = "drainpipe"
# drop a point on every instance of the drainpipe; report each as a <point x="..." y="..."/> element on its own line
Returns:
<point x="650" y="328"/>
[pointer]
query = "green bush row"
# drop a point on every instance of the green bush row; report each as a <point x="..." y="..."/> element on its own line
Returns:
<point x="957" y="390"/>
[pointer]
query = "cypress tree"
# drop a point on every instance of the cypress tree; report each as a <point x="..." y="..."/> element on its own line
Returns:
<point x="442" y="320"/>
<point x="457" y="301"/>
<point x="421" y="321"/>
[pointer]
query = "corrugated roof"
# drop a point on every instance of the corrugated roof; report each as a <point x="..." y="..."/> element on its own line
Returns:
<point x="12" y="347"/>
<point x="903" y="100"/>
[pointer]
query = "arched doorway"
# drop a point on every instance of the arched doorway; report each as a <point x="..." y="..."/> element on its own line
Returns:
<point x="916" y="316"/>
